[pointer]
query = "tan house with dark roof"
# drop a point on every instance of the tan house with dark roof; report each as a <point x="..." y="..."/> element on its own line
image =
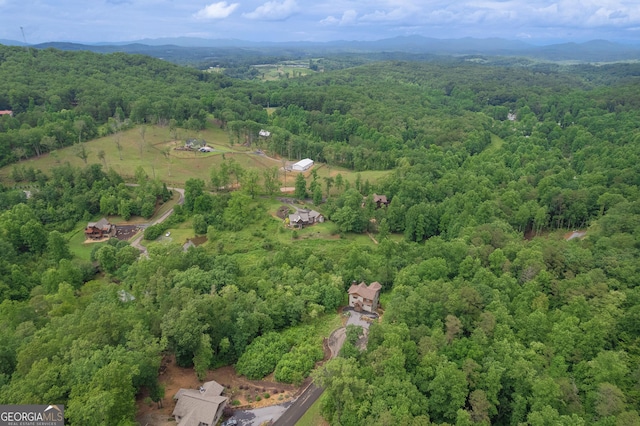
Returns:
<point x="364" y="297"/>
<point x="200" y="407"/>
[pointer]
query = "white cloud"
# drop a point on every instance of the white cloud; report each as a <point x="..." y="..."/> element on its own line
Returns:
<point x="274" y="11"/>
<point x="348" y="17"/>
<point x="382" y="16"/>
<point x="218" y="10"/>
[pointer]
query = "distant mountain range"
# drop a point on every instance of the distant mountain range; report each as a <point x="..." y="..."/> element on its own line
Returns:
<point x="591" y="51"/>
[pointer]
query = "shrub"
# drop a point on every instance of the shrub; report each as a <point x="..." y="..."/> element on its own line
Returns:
<point x="235" y="402"/>
<point x="266" y="395"/>
<point x="294" y="366"/>
<point x="154" y="231"/>
<point x="262" y="355"/>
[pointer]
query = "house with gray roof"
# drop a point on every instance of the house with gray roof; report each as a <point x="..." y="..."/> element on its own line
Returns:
<point x="304" y="217"/>
<point x="200" y="407"/>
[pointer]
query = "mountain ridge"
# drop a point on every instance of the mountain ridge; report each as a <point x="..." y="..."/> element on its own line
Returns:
<point x="589" y="51"/>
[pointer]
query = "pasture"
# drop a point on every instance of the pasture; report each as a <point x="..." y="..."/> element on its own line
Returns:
<point x="156" y="154"/>
<point x="288" y="69"/>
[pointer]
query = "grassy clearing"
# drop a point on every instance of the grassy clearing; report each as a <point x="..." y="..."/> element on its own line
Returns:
<point x="77" y="245"/>
<point x="179" y="166"/>
<point x="313" y="417"/>
<point x="496" y="144"/>
<point x="174" y="170"/>
<point x="318" y="329"/>
<point x="292" y="69"/>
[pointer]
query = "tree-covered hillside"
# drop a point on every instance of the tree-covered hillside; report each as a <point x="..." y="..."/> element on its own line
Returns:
<point x="490" y="316"/>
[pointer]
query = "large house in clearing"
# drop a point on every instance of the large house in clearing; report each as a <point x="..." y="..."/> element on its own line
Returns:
<point x="304" y="217"/>
<point x="100" y="229"/>
<point x="200" y="407"/>
<point x="364" y="297"/>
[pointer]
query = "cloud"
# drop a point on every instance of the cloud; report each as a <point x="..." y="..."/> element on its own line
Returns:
<point x="348" y="17"/>
<point x="218" y="10"/>
<point x="382" y="16"/>
<point x="618" y="14"/>
<point x="274" y="11"/>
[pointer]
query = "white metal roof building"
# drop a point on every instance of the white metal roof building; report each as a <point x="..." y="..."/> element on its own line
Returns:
<point x="302" y="165"/>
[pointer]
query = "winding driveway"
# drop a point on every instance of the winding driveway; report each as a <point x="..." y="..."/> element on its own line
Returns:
<point x="289" y="414"/>
<point x="137" y="241"/>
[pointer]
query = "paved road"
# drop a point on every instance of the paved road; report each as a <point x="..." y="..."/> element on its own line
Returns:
<point x="137" y="242"/>
<point x="260" y="416"/>
<point x="313" y="392"/>
<point x="300" y="406"/>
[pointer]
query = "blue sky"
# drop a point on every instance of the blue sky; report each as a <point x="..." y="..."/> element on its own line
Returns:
<point x="320" y="20"/>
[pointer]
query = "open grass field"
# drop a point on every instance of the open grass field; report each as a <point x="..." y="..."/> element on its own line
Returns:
<point x="291" y="69"/>
<point x="178" y="166"/>
<point x="173" y="169"/>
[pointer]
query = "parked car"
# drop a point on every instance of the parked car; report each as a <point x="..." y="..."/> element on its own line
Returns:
<point x="167" y="234"/>
<point x="230" y="422"/>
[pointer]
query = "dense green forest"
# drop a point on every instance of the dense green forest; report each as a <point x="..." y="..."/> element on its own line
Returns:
<point x="481" y="325"/>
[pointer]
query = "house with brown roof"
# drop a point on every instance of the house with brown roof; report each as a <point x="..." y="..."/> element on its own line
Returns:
<point x="380" y="200"/>
<point x="200" y="407"/>
<point x="100" y="229"/>
<point x="364" y="297"/>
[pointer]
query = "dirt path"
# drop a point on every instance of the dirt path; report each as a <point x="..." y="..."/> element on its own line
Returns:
<point x="372" y="238"/>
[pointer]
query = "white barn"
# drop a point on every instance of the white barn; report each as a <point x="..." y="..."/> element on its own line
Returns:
<point x="302" y="165"/>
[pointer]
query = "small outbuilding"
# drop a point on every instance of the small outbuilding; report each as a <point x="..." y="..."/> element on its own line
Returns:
<point x="302" y="165"/>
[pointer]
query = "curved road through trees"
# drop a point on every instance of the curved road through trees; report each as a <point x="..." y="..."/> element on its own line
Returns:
<point x="137" y="242"/>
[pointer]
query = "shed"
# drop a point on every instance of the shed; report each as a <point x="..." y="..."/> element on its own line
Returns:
<point x="302" y="165"/>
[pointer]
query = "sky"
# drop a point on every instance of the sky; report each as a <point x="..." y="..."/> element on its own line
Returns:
<point x="535" y="21"/>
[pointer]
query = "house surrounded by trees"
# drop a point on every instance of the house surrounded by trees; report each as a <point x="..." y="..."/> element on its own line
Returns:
<point x="99" y="229"/>
<point x="364" y="297"/>
<point x="200" y="407"/>
<point x="304" y="217"/>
